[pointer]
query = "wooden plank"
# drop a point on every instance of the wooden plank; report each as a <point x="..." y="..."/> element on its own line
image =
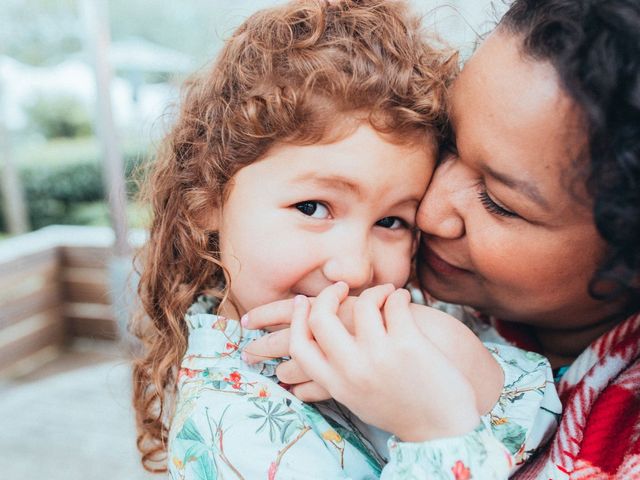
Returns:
<point x="91" y="320"/>
<point x="40" y="300"/>
<point x="86" y="293"/>
<point x="31" y="362"/>
<point x="91" y="257"/>
<point x="85" y="275"/>
<point x="29" y="336"/>
<point x="85" y="285"/>
<point x="29" y="325"/>
<point x="36" y="263"/>
<point x="104" y="328"/>
<point x="23" y="283"/>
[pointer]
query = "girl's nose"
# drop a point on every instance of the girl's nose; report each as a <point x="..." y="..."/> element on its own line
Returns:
<point x="438" y="214"/>
<point x="352" y="265"/>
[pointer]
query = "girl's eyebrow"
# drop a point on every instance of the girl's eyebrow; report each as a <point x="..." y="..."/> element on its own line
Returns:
<point x="333" y="182"/>
<point x="529" y="189"/>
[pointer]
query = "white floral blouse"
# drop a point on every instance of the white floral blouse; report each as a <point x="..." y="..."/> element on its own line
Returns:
<point x="235" y="421"/>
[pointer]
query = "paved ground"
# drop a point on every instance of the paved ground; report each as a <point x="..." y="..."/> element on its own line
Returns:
<point x="70" y="420"/>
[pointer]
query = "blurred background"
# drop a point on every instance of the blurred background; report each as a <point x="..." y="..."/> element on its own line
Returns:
<point x="87" y="90"/>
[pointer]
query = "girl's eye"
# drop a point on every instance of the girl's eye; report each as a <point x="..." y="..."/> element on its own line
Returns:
<point x="313" y="209"/>
<point x="492" y="207"/>
<point x="392" y="223"/>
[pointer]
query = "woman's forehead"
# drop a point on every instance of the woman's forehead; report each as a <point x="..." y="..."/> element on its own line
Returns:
<point x="501" y="79"/>
<point x="511" y="115"/>
<point x="503" y="95"/>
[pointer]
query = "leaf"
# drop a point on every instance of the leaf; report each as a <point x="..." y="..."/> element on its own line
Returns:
<point x="359" y="445"/>
<point x="205" y="469"/>
<point x="264" y="424"/>
<point x="287" y="430"/>
<point x="272" y="433"/>
<point x="511" y="434"/>
<point x="217" y="384"/>
<point x="517" y="397"/>
<point x="196" y="450"/>
<point x="190" y="432"/>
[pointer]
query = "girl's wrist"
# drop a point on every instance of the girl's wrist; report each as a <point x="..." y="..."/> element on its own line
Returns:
<point x="462" y="424"/>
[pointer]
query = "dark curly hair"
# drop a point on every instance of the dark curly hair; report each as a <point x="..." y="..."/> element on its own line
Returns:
<point x="594" y="46"/>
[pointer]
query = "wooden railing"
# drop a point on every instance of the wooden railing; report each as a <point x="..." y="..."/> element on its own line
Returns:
<point x="55" y="284"/>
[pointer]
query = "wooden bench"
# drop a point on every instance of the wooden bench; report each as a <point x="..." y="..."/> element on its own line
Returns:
<point x="55" y="284"/>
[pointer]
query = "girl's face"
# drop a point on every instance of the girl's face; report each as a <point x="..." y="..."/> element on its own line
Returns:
<point x="307" y="216"/>
<point x="504" y="229"/>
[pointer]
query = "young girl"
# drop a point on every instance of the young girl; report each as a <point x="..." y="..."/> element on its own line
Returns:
<point x="531" y="226"/>
<point x="297" y="164"/>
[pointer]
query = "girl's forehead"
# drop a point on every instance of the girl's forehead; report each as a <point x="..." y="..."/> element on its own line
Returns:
<point x="365" y="161"/>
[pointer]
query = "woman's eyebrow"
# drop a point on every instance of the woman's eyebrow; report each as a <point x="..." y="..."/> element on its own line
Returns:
<point x="529" y="189"/>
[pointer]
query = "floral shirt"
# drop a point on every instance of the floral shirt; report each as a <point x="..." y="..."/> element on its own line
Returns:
<point x="235" y="421"/>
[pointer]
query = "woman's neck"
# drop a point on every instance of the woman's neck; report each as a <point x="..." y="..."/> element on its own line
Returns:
<point x="562" y="346"/>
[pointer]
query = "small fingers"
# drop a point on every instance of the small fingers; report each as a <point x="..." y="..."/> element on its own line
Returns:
<point x="367" y="319"/>
<point x="302" y="346"/>
<point x="272" y="345"/>
<point x="269" y="315"/>
<point x="397" y="314"/>
<point x="310" y="392"/>
<point x="326" y="327"/>
<point x="289" y="372"/>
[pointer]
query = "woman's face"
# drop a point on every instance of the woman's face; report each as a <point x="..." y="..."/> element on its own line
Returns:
<point x="507" y="229"/>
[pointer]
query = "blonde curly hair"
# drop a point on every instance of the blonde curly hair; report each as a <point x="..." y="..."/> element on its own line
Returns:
<point x="286" y="75"/>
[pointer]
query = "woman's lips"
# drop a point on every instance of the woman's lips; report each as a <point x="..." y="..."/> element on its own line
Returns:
<point x="437" y="264"/>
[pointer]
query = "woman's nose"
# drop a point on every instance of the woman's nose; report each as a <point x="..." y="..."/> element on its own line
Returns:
<point x="438" y="214"/>
<point x="351" y="264"/>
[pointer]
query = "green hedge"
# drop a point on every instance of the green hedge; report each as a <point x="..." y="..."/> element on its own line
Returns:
<point x="56" y="192"/>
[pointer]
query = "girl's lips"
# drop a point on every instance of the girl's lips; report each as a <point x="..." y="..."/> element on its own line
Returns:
<point x="439" y="265"/>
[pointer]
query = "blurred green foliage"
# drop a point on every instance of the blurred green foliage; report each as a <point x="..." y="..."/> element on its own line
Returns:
<point x="59" y="115"/>
<point x="72" y="192"/>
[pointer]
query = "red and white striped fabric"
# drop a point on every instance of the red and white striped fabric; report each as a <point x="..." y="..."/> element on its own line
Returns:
<point x="599" y="433"/>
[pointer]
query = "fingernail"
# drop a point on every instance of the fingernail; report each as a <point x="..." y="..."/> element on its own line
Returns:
<point x="244" y="321"/>
<point x="298" y="300"/>
<point x="244" y="357"/>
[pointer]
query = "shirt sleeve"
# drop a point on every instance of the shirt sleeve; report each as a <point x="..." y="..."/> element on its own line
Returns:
<point x="234" y="421"/>
<point x="478" y="454"/>
<point x="523" y="419"/>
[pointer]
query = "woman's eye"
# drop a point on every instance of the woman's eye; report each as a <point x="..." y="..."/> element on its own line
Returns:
<point x="313" y="209"/>
<point x="392" y="223"/>
<point x="492" y="207"/>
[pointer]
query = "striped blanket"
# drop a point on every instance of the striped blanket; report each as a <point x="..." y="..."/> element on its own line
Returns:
<point x="599" y="433"/>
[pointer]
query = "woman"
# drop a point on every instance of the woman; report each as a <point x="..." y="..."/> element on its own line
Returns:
<point x="533" y="218"/>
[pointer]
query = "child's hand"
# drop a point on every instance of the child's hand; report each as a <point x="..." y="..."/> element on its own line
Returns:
<point x="387" y="372"/>
<point x="276" y="317"/>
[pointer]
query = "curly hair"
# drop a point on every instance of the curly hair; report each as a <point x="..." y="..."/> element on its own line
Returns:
<point x="287" y="74"/>
<point x="594" y="45"/>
